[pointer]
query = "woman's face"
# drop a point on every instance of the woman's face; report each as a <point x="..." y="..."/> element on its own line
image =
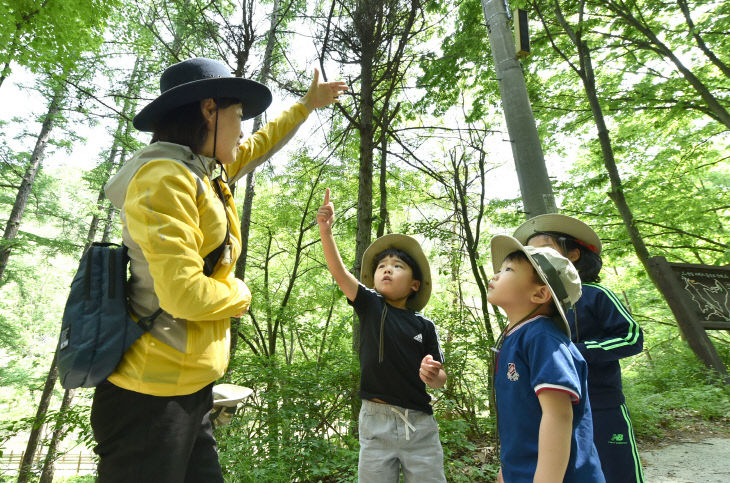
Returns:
<point x="229" y="132"/>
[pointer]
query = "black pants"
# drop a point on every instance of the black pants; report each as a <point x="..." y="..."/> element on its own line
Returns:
<point x="613" y="434"/>
<point x="142" y="438"/>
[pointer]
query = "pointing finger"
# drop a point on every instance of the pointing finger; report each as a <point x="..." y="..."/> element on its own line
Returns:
<point x="327" y="196"/>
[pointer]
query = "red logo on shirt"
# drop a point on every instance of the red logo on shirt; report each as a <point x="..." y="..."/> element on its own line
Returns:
<point x="512" y="373"/>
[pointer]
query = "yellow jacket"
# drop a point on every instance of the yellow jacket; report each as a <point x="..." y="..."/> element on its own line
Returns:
<point x="171" y="219"/>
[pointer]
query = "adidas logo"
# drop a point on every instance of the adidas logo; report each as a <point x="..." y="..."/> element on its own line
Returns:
<point x="419" y="338"/>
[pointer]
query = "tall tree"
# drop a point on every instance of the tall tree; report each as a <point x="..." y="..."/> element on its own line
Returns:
<point x="21" y="199"/>
<point x="584" y="70"/>
<point x="26" y="465"/>
<point x="375" y="35"/>
<point x="250" y="189"/>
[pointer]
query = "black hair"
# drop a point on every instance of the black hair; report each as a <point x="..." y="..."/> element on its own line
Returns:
<point x="407" y="259"/>
<point x="589" y="263"/>
<point x="186" y="125"/>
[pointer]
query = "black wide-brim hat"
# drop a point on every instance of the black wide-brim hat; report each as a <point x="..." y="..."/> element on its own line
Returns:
<point x="197" y="79"/>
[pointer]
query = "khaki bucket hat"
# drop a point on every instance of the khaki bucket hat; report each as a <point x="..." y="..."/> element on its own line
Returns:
<point x="405" y="244"/>
<point x="554" y="270"/>
<point x="555" y="222"/>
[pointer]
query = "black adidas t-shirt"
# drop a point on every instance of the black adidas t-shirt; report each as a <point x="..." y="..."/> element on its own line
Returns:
<point x="390" y="373"/>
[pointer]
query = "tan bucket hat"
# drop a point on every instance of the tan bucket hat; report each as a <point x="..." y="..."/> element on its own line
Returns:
<point x="555" y="270"/>
<point x="561" y="224"/>
<point x="405" y="244"/>
<point x="230" y="394"/>
<point x="226" y="399"/>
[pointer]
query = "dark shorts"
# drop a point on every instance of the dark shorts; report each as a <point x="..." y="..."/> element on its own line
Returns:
<point x="142" y="438"/>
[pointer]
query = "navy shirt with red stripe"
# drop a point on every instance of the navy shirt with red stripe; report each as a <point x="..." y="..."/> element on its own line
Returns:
<point x="536" y="356"/>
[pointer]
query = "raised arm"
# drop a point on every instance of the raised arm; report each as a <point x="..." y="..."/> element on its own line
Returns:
<point x="265" y="142"/>
<point x="325" y="218"/>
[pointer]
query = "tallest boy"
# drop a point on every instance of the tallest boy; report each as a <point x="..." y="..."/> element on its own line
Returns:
<point x="399" y="352"/>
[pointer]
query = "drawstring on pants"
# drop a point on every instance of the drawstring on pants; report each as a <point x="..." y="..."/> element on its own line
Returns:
<point x="404" y="417"/>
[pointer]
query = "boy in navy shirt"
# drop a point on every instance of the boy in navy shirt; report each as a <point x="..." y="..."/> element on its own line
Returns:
<point x="399" y="355"/>
<point x="604" y="332"/>
<point x="544" y="418"/>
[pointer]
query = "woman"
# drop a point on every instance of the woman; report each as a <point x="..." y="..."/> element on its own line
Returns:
<point x="150" y="418"/>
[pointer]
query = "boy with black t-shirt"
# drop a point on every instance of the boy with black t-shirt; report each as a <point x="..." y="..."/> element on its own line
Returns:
<point x="399" y="352"/>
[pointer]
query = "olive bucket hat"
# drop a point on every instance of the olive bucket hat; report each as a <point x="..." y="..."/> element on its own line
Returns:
<point x="554" y="270"/>
<point x="197" y="79"/>
<point x="405" y="244"/>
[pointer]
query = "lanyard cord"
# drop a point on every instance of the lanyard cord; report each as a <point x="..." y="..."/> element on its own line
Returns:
<point x="382" y="328"/>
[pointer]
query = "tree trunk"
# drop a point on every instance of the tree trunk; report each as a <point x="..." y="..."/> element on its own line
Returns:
<point x="383" y="221"/>
<point x="94" y="225"/>
<point x="35" y="433"/>
<point x="49" y="465"/>
<point x="16" y="215"/>
<point x="535" y="187"/>
<point x="364" y="18"/>
<point x="609" y="161"/>
<point x="472" y="244"/>
<point x="616" y="194"/>
<point x="118" y="147"/>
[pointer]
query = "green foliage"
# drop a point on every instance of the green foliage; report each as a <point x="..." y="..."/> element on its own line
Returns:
<point x="466" y="458"/>
<point x="294" y="348"/>
<point x="666" y="392"/>
<point x="292" y="425"/>
<point x="50" y="36"/>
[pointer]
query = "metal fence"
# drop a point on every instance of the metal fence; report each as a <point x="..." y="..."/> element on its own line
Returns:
<point x="66" y="464"/>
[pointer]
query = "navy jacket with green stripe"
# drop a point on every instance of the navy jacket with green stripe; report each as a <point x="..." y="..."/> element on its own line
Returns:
<point x="605" y="333"/>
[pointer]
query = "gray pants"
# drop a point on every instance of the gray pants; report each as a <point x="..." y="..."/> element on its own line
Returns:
<point x="391" y="438"/>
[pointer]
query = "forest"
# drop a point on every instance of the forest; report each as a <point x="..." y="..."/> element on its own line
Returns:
<point x="632" y="104"/>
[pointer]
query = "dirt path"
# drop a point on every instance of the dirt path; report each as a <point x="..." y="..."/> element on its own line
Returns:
<point x="689" y="461"/>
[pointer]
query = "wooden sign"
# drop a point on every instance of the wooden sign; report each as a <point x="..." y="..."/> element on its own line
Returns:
<point x="699" y="296"/>
<point x="707" y="290"/>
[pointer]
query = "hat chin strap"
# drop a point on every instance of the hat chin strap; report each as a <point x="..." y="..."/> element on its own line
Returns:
<point x="215" y="130"/>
